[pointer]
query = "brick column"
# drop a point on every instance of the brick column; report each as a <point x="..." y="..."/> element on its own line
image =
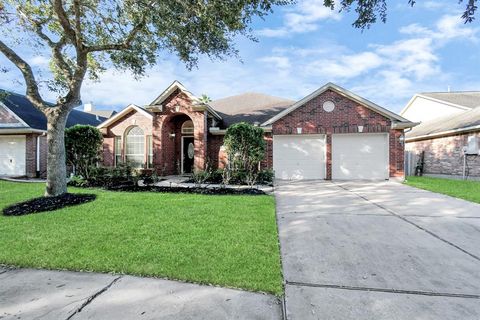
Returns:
<point x="329" y="156"/>
<point x="200" y="136"/>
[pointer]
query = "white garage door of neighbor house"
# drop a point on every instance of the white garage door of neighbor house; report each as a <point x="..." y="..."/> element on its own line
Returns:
<point x="12" y="155"/>
<point x="360" y="156"/>
<point x="297" y="157"/>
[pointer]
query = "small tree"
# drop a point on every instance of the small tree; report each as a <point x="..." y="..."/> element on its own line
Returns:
<point x="82" y="145"/>
<point x="245" y="147"/>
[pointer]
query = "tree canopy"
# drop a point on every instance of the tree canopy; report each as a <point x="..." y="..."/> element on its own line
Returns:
<point x="369" y="11"/>
<point x="85" y="37"/>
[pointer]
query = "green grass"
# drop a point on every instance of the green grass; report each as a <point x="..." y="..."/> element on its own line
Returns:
<point x="222" y="240"/>
<point x="467" y="190"/>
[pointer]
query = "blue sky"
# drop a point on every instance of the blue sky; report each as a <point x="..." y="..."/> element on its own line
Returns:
<point x="301" y="47"/>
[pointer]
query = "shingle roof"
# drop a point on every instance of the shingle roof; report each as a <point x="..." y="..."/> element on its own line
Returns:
<point x="447" y="123"/>
<point x="24" y="109"/>
<point x="250" y="107"/>
<point x="103" y="113"/>
<point x="469" y="99"/>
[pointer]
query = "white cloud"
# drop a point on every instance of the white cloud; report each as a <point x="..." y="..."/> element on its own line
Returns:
<point x="277" y="61"/>
<point x="305" y="17"/>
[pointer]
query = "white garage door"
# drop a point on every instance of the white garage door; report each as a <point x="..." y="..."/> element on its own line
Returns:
<point x="360" y="156"/>
<point x="298" y="157"/>
<point x="12" y="155"/>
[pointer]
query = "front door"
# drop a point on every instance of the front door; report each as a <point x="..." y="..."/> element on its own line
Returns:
<point x="188" y="153"/>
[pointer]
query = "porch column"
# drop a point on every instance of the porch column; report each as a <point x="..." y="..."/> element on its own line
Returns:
<point x="200" y="136"/>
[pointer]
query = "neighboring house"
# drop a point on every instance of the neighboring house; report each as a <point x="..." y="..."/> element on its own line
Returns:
<point x="449" y="133"/>
<point x="89" y="108"/>
<point x="330" y="134"/>
<point x="23" y="128"/>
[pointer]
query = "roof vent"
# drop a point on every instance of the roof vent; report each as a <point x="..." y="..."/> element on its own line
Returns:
<point x="256" y="123"/>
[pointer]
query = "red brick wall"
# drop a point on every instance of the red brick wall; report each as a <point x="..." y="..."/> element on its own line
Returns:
<point x="345" y="118"/>
<point x="31" y="155"/>
<point x="119" y="128"/>
<point x="7" y="117"/>
<point x="444" y="155"/>
<point x="167" y="121"/>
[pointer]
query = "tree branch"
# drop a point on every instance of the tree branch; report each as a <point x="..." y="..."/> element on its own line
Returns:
<point x="32" y="88"/>
<point x="121" y="45"/>
<point x="64" y="22"/>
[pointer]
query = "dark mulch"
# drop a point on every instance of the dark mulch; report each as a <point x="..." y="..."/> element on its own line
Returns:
<point x="47" y="204"/>
<point x="198" y="190"/>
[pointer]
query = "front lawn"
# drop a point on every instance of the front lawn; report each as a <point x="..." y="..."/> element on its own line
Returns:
<point x="468" y="190"/>
<point x="223" y="240"/>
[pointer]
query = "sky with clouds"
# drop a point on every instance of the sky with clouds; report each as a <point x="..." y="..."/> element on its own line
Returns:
<point x="303" y="46"/>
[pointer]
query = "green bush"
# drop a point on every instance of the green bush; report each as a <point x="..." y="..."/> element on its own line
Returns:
<point x="77" y="181"/>
<point x="266" y="176"/>
<point x="108" y="177"/>
<point x="245" y="148"/>
<point x="82" y="145"/>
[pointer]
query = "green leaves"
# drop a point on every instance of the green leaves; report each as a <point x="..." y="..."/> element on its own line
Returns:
<point x="82" y="145"/>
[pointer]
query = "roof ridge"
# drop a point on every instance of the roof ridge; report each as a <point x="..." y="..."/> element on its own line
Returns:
<point x="467" y="91"/>
<point x="253" y="92"/>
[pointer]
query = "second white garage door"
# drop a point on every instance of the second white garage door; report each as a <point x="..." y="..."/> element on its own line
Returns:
<point x="360" y="156"/>
<point x="298" y="157"/>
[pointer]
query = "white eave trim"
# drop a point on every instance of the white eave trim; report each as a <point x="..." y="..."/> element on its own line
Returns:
<point x="418" y="95"/>
<point x="443" y="133"/>
<point x="346" y="93"/>
<point x="125" y="111"/>
<point x="20" y="130"/>
<point x="404" y="125"/>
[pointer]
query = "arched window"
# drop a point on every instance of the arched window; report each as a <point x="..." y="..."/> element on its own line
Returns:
<point x="187" y="127"/>
<point x="135" y="147"/>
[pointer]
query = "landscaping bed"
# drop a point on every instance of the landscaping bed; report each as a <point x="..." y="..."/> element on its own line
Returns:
<point x="43" y="204"/>
<point x="195" y="190"/>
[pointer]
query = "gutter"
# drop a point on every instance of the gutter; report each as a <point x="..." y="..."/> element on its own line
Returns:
<point x="404" y="125"/>
<point x="443" y="133"/>
<point x="20" y="130"/>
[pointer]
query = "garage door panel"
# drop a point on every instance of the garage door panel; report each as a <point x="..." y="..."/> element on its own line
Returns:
<point x="360" y="156"/>
<point x="299" y="157"/>
<point x="12" y="155"/>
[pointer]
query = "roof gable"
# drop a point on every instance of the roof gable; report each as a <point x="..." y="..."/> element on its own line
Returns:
<point x="35" y="119"/>
<point x="124" y="112"/>
<point x="344" y="92"/>
<point x="431" y="98"/>
<point x="176" y="85"/>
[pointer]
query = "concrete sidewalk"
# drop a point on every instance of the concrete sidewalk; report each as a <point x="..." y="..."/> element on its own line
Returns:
<point x="42" y="294"/>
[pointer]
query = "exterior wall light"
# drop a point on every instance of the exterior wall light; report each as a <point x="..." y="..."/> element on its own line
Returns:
<point x="177" y="108"/>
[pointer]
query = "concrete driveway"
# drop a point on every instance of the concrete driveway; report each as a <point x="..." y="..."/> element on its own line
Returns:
<point x="382" y="250"/>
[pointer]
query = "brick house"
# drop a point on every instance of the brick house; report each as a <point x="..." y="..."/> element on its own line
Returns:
<point x="23" y="140"/>
<point x="330" y="134"/>
<point x="448" y="135"/>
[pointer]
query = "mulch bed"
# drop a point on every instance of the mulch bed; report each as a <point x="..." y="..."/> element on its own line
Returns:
<point x="198" y="190"/>
<point x="43" y="204"/>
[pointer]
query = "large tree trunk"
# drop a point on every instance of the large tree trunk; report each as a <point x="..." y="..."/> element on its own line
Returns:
<point x="56" y="165"/>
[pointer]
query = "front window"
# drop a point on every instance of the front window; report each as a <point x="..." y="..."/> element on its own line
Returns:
<point x="135" y="147"/>
<point x="187" y="127"/>
<point x="118" y="150"/>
